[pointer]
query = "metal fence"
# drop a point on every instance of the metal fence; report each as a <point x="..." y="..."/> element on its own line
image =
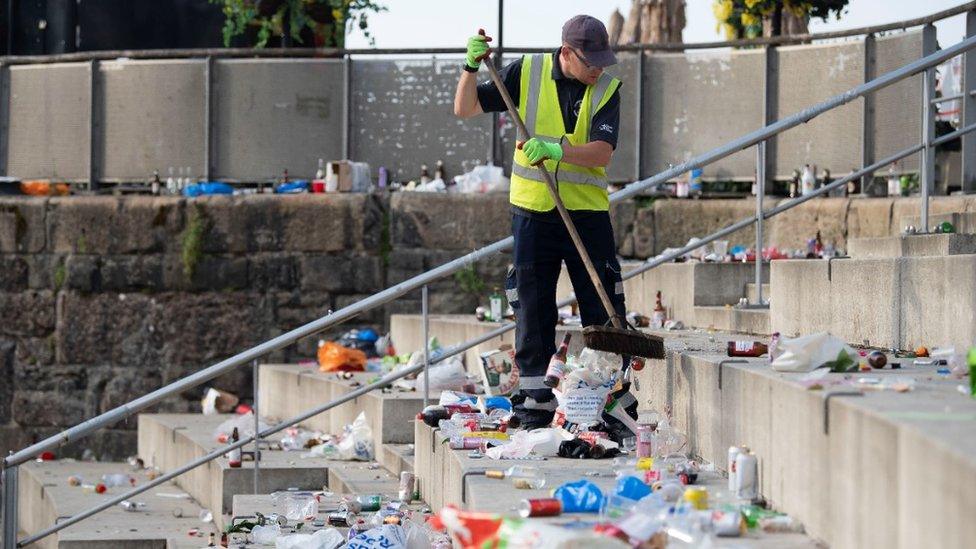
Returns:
<point x="116" y="120"/>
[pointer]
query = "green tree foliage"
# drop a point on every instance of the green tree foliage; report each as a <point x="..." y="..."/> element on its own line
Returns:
<point x="744" y="18"/>
<point x="327" y="20"/>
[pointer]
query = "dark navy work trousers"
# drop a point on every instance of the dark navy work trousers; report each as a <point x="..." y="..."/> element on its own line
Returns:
<point x="541" y="247"/>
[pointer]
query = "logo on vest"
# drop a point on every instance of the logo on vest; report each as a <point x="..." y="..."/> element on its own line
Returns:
<point x="606" y="127"/>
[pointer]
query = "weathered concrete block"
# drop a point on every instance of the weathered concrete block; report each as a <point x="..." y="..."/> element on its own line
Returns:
<point x="869" y="218"/>
<point x="13" y="273"/>
<point x="643" y="232"/>
<point x="138" y="329"/>
<point x="799" y="299"/>
<point x="7" y="348"/>
<point x="792" y="228"/>
<point x="622" y="216"/>
<point x="937" y="300"/>
<point x="85" y="224"/>
<point x="448" y="221"/>
<point x="964" y="222"/>
<point x="149" y="224"/>
<point x="278" y="270"/>
<point x="912" y="246"/>
<point x="864" y="301"/>
<point x="678" y="221"/>
<point x="30" y="313"/>
<point x="82" y="273"/>
<point x="45" y="271"/>
<point x="36" y="350"/>
<point x="904" y="208"/>
<point x="121" y="273"/>
<point x="22" y="225"/>
<point x="342" y="273"/>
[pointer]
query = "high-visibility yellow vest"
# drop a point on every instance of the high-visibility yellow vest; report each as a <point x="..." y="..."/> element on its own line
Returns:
<point x="580" y="187"/>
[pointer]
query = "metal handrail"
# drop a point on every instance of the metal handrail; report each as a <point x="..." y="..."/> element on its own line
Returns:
<point x="339" y="52"/>
<point x="759" y="136"/>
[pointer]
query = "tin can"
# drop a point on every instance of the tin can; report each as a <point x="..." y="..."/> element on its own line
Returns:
<point x="541" y="507"/>
<point x="747" y="476"/>
<point x="734" y="452"/>
<point x="645" y="440"/>
<point x="392" y="519"/>
<point x="339" y="518"/>
<point x="697" y="497"/>
<point x="408" y="482"/>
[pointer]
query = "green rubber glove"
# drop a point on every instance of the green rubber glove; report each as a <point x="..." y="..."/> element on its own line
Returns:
<point x="538" y="150"/>
<point x="477" y="49"/>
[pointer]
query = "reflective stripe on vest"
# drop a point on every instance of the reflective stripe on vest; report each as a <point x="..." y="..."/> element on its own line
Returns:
<point x="585" y="187"/>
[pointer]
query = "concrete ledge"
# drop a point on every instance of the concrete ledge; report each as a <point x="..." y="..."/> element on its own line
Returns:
<point x="45" y="496"/>
<point x="733" y="319"/>
<point x="964" y="222"/>
<point x="860" y="466"/>
<point x="397" y="458"/>
<point x="912" y="246"/>
<point x="389" y="414"/>
<point x="171" y="440"/>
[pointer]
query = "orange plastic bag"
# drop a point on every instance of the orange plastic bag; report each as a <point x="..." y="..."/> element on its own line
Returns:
<point x="40" y="187"/>
<point x="336" y="358"/>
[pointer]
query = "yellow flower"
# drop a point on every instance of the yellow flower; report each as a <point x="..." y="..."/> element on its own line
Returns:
<point x="749" y="19"/>
<point x="729" y="31"/>
<point x="751" y="3"/>
<point x="722" y="9"/>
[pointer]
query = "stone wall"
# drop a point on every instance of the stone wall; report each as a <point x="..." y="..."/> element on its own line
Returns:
<point x="105" y="299"/>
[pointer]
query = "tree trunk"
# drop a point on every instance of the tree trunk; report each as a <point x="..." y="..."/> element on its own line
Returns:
<point x="662" y="21"/>
<point x="615" y="27"/>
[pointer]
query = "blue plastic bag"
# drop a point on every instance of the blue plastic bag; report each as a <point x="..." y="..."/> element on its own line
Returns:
<point x="299" y="186"/>
<point x="203" y="189"/>
<point x="632" y="487"/>
<point x="581" y="496"/>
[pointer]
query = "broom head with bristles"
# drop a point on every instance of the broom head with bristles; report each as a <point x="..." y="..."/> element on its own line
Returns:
<point x="623" y="341"/>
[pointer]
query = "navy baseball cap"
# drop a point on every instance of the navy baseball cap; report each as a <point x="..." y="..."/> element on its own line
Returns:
<point x="588" y="35"/>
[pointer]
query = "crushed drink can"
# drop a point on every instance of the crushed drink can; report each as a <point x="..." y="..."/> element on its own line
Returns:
<point x="540" y="507"/>
<point x="747" y="476"/>
<point x="339" y="518"/>
<point x="408" y="483"/>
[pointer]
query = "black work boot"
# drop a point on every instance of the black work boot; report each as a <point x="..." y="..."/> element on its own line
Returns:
<point x="532" y="413"/>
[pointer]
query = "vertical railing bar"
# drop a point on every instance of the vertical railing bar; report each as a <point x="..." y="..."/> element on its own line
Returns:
<point x="760" y="192"/>
<point x="426" y="321"/>
<point x="255" y="376"/>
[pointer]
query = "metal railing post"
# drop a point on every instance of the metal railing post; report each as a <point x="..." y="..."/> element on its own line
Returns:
<point x="257" y="427"/>
<point x="760" y="193"/>
<point x="968" y="104"/>
<point x="927" y="169"/>
<point x="426" y="320"/>
<point x="9" y="481"/>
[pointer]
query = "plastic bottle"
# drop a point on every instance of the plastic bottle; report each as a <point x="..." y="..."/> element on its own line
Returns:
<point x="320" y="172"/>
<point x="894" y="187"/>
<point x="496" y="305"/>
<point x="659" y="317"/>
<point x="971" y="362"/>
<point x="773" y="346"/>
<point x="747" y="476"/>
<point x="522" y="477"/>
<point x="235" y="455"/>
<point x="646" y="425"/>
<point x="424" y="174"/>
<point x="170" y="182"/>
<point x="117" y="479"/>
<point x="557" y="364"/>
<point x="807" y="180"/>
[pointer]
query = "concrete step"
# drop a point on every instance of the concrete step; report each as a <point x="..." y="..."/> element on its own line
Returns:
<point x="751" y="291"/>
<point x="733" y="319"/>
<point x="168" y="441"/>
<point x="890" y="302"/>
<point x="964" y="222"/>
<point x="389" y="413"/>
<point x="825" y="460"/>
<point x="683" y="286"/>
<point x="458" y="481"/>
<point x="45" y="496"/>
<point x="918" y="245"/>
<point x="398" y="458"/>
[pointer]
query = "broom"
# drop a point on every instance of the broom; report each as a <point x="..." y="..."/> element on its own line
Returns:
<point x="620" y="337"/>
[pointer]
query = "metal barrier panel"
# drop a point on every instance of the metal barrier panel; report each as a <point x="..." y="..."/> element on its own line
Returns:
<point x="48" y="127"/>
<point x="898" y="111"/>
<point x="624" y="164"/>
<point x="807" y="75"/>
<point x="402" y="116"/>
<point x="276" y="114"/>
<point x="152" y="117"/>
<point x="698" y="101"/>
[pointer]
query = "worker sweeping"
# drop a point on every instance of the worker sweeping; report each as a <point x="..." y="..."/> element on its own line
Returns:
<point x="572" y="108"/>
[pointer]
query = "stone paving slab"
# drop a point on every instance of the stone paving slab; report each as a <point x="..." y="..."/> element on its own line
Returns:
<point x="46" y="495"/>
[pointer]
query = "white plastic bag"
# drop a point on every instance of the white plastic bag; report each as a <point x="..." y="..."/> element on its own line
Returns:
<point x="806" y="353"/>
<point x="265" y="535"/>
<point x="357" y="442"/>
<point x="388" y="536"/>
<point x="244" y="424"/>
<point x="541" y="442"/>
<point x="321" y="539"/>
<point x="482" y="179"/>
<point x="301" y="507"/>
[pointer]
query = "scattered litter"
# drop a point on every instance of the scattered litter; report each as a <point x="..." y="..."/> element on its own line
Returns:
<point x="355" y="443"/>
<point x="216" y="401"/>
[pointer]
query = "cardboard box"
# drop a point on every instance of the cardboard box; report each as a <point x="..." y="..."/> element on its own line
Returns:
<point x="499" y="371"/>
